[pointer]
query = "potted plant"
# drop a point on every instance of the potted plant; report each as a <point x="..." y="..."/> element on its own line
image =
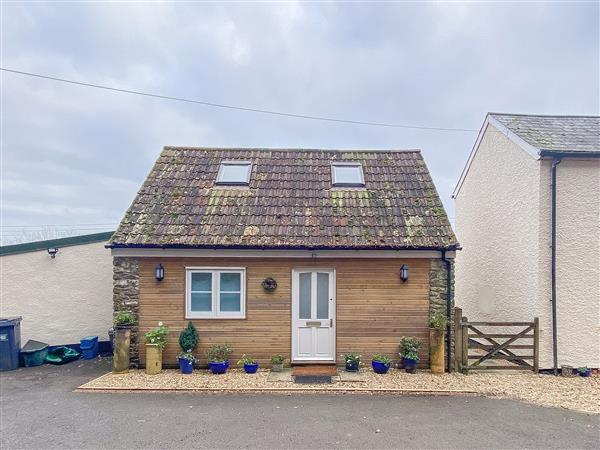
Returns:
<point x="188" y="341"/>
<point x="250" y="366"/>
<point x="352" y="361"/>
<point x="437" y="328"/>
<point x="218" y="358"/>
<point x="584" y="372"/>
<point x="277" y="363"/>
<point x="123" y="321"/>
<point x="381" y="363"/>
<point x="409" y="352"/>
<point x="155" y="339"/>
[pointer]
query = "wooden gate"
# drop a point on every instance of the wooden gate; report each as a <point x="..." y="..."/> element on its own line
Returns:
<point x="475" y="349"/>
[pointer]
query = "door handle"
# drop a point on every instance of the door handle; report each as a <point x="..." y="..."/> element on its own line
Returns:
<point x="331" y="323"/>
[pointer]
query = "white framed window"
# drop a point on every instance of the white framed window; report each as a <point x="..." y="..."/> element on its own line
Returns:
<point x="215" y="293"/>
<point x="347" y="174"/>
<point x="234" y="173"/>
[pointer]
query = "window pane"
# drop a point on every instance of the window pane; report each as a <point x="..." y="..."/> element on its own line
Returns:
<point x="305" y="286"/>
<point x="202" y="282"/>
<point x="234" y="173"/>
<point x="230" y="282"/>
<point x="230" y="302"/>
<point x="202" y="302"/>
<point x="322" y="296"/>
<point x="347" y="174"/>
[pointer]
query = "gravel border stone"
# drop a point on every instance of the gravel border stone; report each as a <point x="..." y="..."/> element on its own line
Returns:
<point x="578" y="394"/>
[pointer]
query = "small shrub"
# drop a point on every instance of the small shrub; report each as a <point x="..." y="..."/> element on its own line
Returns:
<point x="409" y="347"/>
<point x="124" y="318"/>
<point x="437" y="320"/>
<point x="277" y="359"/>
<point x="157" y="336"/>
<point x="351" y="358"/>
<point x="188" y="338"/>
<point x="218" y="353"/>
<point x="582" y="369"/>
<point x="187" y="355"/>
<point x="246" y="360"/>
<point x="384" y="359"/>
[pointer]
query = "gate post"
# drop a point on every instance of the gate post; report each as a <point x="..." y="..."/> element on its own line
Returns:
<point x="465" y="345"/>
<point x="457" y="340"/>
<point x="536" y="345"/>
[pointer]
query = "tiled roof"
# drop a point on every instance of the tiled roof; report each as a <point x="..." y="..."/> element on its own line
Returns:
<point x="289" y="202"/>
<point x="555" y="133"/>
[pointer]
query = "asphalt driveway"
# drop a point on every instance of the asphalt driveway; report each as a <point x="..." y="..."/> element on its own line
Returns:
<point x="39" y="410"/>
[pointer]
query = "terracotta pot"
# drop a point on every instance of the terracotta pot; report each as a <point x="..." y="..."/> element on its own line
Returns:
<point x="436" y="350"/>
<point x="122" y="341"/>
<point x="153" y="359"/>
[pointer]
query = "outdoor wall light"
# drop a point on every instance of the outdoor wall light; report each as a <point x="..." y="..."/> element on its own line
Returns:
<point x="52" y="251"/>
<point x="159" y="272"/>
<point x="404" y="273"/>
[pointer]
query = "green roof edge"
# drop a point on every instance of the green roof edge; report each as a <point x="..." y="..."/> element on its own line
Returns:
<point x="61" y="242"/>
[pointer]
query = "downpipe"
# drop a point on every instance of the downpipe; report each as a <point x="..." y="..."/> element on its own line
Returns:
<point x="555" y="163"/>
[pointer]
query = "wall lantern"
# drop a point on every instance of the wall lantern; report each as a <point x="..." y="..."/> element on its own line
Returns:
<point x="404" y="273"/>
<point x="52" y="252"/>
<point x="159" y="272"/>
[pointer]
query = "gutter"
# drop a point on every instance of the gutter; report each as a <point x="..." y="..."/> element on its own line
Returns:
<point x="560" y="155"/>
<point x="556" y="161"/>
<point x="448" y="310"/>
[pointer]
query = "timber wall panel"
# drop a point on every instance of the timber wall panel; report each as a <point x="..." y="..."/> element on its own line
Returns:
<point x="374" y="308"/>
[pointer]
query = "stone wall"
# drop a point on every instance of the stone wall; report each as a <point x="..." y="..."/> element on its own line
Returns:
<point x="126" y="296"/>
<point x="438" y="293"/>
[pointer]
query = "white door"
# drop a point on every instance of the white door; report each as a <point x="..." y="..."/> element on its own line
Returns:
<point x="313" y="315"/>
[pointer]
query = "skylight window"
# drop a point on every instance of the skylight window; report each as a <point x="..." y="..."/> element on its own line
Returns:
<point x="234" y="172"/>
<point x="347" y="174"/>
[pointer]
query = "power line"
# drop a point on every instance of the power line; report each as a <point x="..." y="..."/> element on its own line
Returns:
<point x="239" y="108"/>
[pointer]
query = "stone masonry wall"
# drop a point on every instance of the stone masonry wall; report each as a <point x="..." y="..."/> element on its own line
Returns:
<point x="438" y="292"/>
<point x="126" y="296"/>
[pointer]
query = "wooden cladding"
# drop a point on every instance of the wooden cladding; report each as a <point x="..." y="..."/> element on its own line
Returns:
<point x="373" y="308"/>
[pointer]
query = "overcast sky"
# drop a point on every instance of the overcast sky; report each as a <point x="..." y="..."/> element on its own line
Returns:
<point x="74" y="155"/>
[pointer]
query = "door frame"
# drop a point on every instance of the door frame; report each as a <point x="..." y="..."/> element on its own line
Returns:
<point x="294" y="312"/>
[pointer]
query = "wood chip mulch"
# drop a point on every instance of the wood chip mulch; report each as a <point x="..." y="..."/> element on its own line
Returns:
<point x="577" y="393"/>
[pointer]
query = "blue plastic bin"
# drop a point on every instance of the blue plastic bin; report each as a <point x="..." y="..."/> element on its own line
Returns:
<point x="10" y="343"/>
<point x="89" y="347"/>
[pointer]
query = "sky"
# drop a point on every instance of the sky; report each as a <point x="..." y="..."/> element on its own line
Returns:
<point x="74" y="157"/>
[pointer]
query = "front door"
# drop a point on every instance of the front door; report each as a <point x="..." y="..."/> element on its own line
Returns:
<point x="313" y="315"/>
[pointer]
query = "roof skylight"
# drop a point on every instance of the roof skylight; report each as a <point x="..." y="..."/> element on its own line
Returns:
<point x="234" y="173"/>
<point x="347" y="174"/>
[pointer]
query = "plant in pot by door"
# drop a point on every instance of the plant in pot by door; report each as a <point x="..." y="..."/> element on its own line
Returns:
<point x="277" y="363"/>
<point x="250" y="366"/>
<point x="188" y="341"/>
<point x="381" y="363"/>
<point x="437" y="328"/>
<point x="352" y="361"/>
<point x="218" y="358"/>
<point x="123" y="321"/>
<point x="156" y="340"/>
<point x="409" y="352"/>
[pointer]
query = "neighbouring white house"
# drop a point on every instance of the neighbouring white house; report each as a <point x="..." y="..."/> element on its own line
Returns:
<point x="62" y="288"/>
<point x="528" y="219"/>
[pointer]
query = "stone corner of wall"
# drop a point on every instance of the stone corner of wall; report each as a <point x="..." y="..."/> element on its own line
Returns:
<point x="126" y="296"/>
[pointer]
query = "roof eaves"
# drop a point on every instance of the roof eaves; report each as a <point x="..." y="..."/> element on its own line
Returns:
<point x="60" y="243"/>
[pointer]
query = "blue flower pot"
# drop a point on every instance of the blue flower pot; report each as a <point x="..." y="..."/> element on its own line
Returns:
<point x="410" y="365"/>
<point x="186" y="366"/>
<point x="352" y="366"/>
<point x="585" y="373"/>
<point x="251" y="368"/>
<point x="379" y="367"/>
<point x="218" y="367"/>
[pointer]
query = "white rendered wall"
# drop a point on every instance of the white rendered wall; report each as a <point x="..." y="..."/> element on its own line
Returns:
<point x="497" y="226"/>
<point x="577" y="258"/>
<point x="63" y="299"/>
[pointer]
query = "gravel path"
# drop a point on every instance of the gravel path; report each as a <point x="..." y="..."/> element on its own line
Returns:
<point x="578" y="394"/>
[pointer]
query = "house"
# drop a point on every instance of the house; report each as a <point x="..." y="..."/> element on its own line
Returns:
<point x="279" y="251"/>
<point x="528" y="219"/>
<point x="61" y="287"/>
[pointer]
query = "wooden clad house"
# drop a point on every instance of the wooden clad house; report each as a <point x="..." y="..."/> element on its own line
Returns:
<point x="296" y="252"/>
